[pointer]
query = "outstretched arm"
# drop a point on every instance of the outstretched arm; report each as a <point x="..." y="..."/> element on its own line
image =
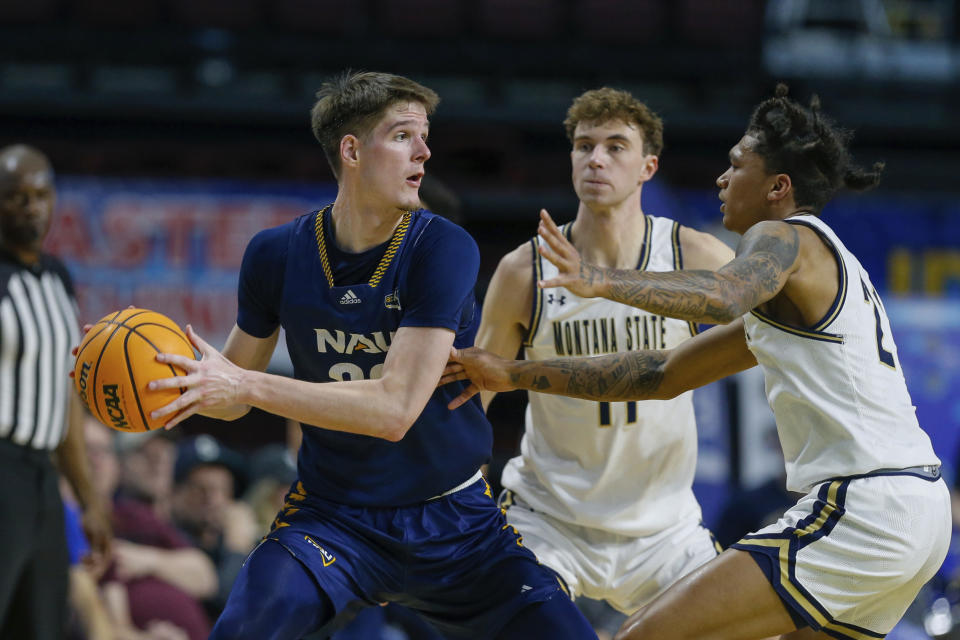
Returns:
<point x="634" y="375"/>
<point x="384" y="407"/>
<point x="766" y="257"/>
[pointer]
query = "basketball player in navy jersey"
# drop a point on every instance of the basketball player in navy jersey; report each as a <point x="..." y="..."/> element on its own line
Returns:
<point x="874" y="524"/>
<point x="389" y="505"/>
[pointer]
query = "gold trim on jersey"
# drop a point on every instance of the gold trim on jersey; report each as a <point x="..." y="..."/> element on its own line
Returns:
<point x="803" y="333"/>
<point x="678" y="265"/>
<point x="841" y="296"/>
<point x="388" y="255"/>
<point x="537" y="307"/>
<point x="646" y="248"/>
<point x="788" y="543"/>
<point x="677" y="253"/>
<point x="321" y="245"/>
<point x="817" y="331"/>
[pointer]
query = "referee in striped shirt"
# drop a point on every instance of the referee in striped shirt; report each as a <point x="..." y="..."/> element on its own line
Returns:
<point x="40" y="413"/>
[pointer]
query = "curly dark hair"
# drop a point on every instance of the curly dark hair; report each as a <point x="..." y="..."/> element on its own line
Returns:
<point x="354" y="102"/>
<point x="806" y="145"/>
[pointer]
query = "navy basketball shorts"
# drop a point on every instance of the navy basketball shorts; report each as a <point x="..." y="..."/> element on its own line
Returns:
<point x="453" y="559"/>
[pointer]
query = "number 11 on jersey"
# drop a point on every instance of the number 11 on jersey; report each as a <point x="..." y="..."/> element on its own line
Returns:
<point x="606" y="421"/>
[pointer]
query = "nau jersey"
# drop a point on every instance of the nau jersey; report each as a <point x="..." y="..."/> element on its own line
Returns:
<point x="340" y="312"/>
<point x="623" y="467"/>
<point x="836" y="389"/>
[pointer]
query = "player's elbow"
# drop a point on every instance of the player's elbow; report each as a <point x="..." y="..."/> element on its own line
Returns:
<point x="399" y="408"/>
<point x="396" y="426"/>
<point x="671" y="383"/>
<point x="724" y="310"/>
<point x="394" y="431"/>
<point x="666" y="393"/>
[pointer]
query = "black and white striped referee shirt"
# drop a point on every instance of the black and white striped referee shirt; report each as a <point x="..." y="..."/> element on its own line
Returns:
<point x="38" y="328"/>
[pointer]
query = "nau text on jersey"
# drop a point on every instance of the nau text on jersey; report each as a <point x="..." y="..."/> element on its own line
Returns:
<point x="342" y="342"/>
<point x="594" y="336"/>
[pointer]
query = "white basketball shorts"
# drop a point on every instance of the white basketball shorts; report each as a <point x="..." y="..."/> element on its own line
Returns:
<point x="628" y="572"/>
<point x="851" y="556"/>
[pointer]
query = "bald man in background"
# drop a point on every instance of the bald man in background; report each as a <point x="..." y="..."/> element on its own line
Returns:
<point x="41" y="415"/>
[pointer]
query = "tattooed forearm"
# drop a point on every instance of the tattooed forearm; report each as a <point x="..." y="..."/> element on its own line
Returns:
<point x="636" y="375"/>
<point x="715" y="297"/>
<point x="591" y="274"/>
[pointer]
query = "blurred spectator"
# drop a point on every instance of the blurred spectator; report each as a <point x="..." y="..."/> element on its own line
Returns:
<point x="272" y="470"/>
<point x="748" y="510"/>
<point x="154" y="580"/>
<point x="437" y="197"/>
<point x="208" y="478"/>
<point x="88" y="619"/>
<point x="147" y="468"/>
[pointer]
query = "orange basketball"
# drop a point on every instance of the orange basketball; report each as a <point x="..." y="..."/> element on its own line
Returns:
<point x="116" y="361"/>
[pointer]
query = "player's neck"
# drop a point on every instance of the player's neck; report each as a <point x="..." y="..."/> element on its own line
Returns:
<point x="610" y="237"/>
<point x="358" y="228"/>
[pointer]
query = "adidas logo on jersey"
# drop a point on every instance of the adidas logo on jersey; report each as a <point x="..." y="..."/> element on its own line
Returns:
<point x="350" y="298"/>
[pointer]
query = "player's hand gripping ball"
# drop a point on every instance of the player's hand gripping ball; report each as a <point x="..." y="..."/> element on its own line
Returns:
<point x="116" y="360"/>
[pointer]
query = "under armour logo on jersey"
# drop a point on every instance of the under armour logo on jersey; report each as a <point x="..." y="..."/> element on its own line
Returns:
<point x="350" y="298"/>
<point x="561" y="299"/>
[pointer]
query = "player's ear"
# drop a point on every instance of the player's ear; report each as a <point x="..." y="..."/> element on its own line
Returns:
<point x="780" y="188"/>
<point x="650" y="165"/>
<point x="349" y="150"/>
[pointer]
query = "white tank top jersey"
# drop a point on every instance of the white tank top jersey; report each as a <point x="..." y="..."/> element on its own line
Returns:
<point x="837" y="390"/>
<point x="622" y="467"/>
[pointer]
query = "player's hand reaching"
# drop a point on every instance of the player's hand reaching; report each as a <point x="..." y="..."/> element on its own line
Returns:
<point x="485" y="371"/>
<point x="575" y="275"/>
<point x="212" y="383"/>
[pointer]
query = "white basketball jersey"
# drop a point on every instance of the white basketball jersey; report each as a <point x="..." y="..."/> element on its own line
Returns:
<point x="837" y="389"/>
<point x="623" y="467"/>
